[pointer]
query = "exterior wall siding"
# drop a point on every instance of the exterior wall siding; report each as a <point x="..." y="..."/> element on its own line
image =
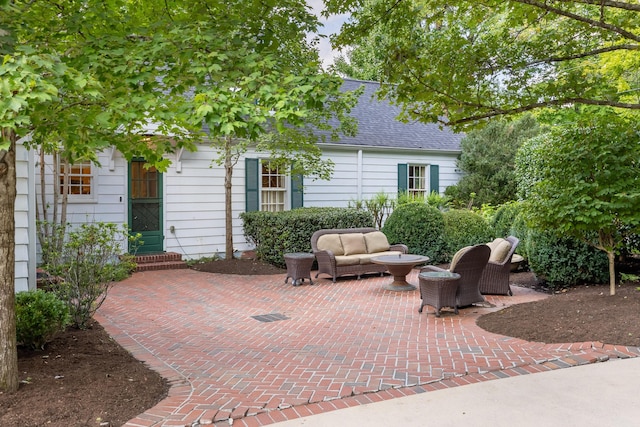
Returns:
<point x="193" y="193"/>
<point x="24" y="215"/>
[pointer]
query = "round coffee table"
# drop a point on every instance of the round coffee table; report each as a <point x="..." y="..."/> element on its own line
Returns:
<point x="399" y="266"/>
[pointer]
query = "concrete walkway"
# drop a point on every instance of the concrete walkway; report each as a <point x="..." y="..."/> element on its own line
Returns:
<point x="603" y="394"/>
<point x="256" y="351"/>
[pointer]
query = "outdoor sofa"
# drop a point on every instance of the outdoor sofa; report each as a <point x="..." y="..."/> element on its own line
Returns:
<point x="348" y="251"/>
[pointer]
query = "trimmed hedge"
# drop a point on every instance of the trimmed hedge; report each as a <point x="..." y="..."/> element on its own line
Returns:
<point x="277" y="233"/>
<point x="420" y="227"/>
<point x="463" y="227"/>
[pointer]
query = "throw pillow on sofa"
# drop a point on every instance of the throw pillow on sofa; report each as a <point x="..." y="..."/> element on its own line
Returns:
<point x="330" y="242"/>
<point x="353" y="243"/>
<point x="376" y="241"/>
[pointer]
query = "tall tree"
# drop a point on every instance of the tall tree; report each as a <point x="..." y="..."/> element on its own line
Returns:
<point x="79" y="86"/>
<point x="488" y="160"/>
<point x="460" y="62"/>
<point x="588" y="181"/>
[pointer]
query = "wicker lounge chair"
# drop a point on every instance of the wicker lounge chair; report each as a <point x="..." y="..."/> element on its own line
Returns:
<point x="495" y="279"/>
<point x="469" y="263"/>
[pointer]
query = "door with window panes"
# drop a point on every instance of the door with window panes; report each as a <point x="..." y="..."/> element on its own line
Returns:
<point x="145" y="205"/>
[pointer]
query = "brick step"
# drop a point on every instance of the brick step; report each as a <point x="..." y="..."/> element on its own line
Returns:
<point x="160" y="261"/>
<point x="167" y="265"/>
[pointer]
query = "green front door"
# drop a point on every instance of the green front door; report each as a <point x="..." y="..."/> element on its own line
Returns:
<point x="145" y="206"/>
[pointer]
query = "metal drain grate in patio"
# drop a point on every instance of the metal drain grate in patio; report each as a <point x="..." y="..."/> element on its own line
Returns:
<point x="272" y="317"/>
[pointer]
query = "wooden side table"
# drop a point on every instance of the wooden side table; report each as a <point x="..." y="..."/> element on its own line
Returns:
<point x="298" y="267"/>
<point x="438" y="289"/>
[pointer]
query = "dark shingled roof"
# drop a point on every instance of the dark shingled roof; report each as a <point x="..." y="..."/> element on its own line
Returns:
<point x="378" y="125"/>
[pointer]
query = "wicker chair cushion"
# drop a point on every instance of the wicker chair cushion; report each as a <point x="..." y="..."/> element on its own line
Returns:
<point x="330" y="242"/>
<point x="493" y="245"/>
<point x="376" y="242"/>
<point x="501" y="251"/>
<point x="456" y="257"/>
<point x="353" y="243"/>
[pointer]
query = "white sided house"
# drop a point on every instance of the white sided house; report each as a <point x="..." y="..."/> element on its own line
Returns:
<point x="183" y="210"/>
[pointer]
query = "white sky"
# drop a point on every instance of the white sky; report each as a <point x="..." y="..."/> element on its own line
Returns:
<point x="330" y="26"/>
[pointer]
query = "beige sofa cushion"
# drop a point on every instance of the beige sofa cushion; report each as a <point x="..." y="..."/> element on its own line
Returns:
<point x="376" y="241"/>
<point x="343" y="260"/>
<point x="353" y="243"/>
<point x="330" y="242"/>
<point x="500" y="252"/>
<point x="457" y="256"/>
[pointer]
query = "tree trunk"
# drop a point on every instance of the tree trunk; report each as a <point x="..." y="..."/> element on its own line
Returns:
<point x="612" y="272"/>
<point x="228" y="208"/>
<point x="8" y="346"/>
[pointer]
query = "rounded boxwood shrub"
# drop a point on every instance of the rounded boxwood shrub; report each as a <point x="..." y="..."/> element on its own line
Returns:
<point x="420" y="227"/>
<point x="40" y="316"/>
<point x="563" y="262"/>
<point x="463" y="227"/>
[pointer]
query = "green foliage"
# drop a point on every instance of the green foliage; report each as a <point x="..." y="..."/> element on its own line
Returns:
<point x="380" y="206"/>
<point x="89" y="262"/>
<point x="628" y="278"/>
<point x="564" y="261"/>
<point x="40" y="316"/>
<point x="504" y="219"/>
<point x="588" y="183"/>
<point x="420" y="227"/>
<point x="529" y="164"/>
<point x="487" y="161"/>
<point x="462" y="228"/>
<point x="433" y="199"/>
<point x="460" y="63"/>
<point x="277" y="233"/>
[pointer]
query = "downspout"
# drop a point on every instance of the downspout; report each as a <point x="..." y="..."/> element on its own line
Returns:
<point x="31" y="213"/>
<point x="359" y="175"/>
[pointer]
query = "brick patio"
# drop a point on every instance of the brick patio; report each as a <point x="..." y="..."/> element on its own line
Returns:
<point x="260" y="351"/>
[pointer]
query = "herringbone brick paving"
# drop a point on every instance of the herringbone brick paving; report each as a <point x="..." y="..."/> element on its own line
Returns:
<point x="338" y="345"/>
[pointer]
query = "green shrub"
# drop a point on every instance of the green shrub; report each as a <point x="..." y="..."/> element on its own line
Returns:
<point x="463" y="227"/>
<point x="520" y="229"/>
<point x="504" y="219"/>
<point x="89" y="262"/>
<point x="420" y="227"/>
<point x="564" y="262"/>
<point x="276" y="233"/>
<point x="40" y="316"/>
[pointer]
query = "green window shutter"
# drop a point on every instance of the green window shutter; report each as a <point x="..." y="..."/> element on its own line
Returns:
<point x="252" y="184"/>
<point x="297" y="192"/>
<point x="434" y="179"/>
<point x="403" y="177"/>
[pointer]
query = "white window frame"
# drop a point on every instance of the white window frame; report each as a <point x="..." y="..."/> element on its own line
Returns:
<point x="412" y="178"/>
<point x="92" y="176"/>
<point x="265" y="205"/>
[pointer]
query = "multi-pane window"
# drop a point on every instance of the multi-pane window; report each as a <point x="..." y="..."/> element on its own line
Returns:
<point x="144" y="181"/>
<point x="273" y="188"/>
<point x="79" y="179"/>
<point x="417" y="181"/>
